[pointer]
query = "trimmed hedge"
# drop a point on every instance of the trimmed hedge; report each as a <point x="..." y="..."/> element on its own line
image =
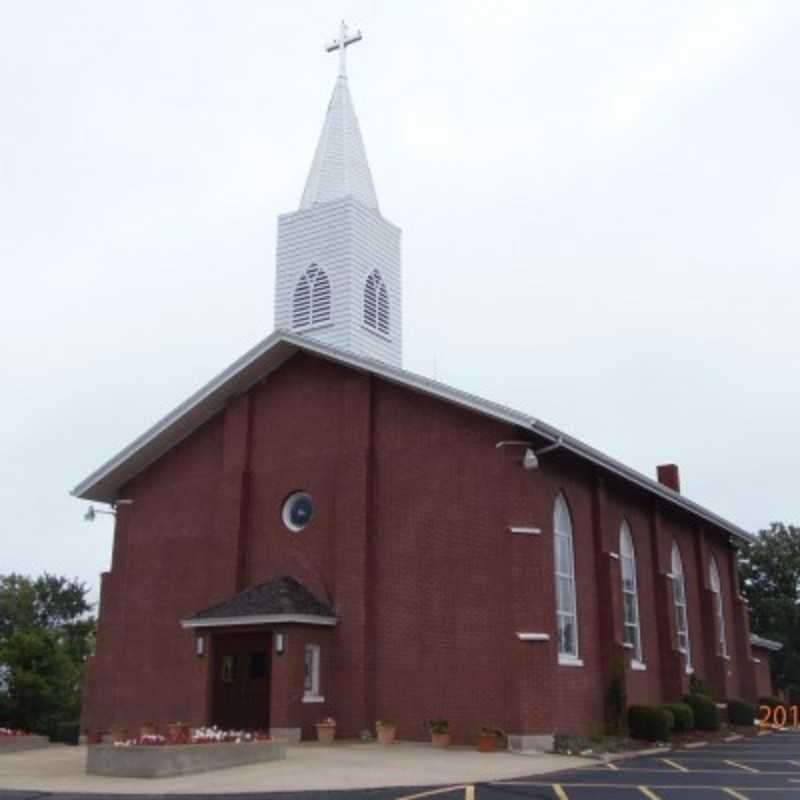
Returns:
<point x="683" y="716"/>
<point x="770" y="701"/>
<point x="706" y="713"/>
<point x="740" y="712"/>
<point x="650" y="723"/>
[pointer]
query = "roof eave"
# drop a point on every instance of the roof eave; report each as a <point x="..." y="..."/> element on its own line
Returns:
<point x="281" y="345"/>
<point x="258" y="619"/>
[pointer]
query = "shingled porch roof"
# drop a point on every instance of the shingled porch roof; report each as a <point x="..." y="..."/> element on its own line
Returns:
<point x="281" y="600"/>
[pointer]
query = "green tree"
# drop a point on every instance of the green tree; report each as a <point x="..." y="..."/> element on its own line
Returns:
<point x="770" y="570"/>
<point x="45" y="637"/>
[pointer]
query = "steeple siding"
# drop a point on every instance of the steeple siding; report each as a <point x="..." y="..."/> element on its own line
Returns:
<point x="340" y="167"/>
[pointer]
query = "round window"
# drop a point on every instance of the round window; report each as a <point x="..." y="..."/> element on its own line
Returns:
<point x="297" y="511"/>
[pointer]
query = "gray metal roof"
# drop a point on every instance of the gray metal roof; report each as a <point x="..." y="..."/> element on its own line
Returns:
<point x="105" y="482"/>
<point x="765" y="644"/>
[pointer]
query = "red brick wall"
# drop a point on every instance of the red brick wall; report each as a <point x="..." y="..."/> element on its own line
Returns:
<point x="763" y="676"/>
<point x="410" y="542"/>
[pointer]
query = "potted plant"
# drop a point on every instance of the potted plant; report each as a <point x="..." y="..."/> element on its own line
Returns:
<point x="147" y="730"/>
<point x="487" y="739"/>
<point x="177" y="733"/>
<point x="326" y="730"/>
<point x="440" y="732"/>
<point x="118" y="733"/>
<point x="386" y="730"/>
<point x="94" y="737"/>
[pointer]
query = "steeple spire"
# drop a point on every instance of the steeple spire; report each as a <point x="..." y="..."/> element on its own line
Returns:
<point x="340" y="166"/>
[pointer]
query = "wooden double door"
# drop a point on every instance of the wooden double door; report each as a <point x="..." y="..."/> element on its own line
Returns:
<point x="242" y="667"/>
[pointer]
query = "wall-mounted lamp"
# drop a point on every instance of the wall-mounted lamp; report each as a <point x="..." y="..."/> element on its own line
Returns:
<point x="530" y="459"/>
<point x="201" y="646"/>
<point x="280" y="643"/>
<point x="92" y="512"/>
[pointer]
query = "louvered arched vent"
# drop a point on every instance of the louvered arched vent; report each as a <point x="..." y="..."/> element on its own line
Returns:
<point x="312" y="298"/>
<point x="376" y="303"/>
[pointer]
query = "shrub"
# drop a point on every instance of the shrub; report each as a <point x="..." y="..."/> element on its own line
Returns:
<point x="670" y="717"/>
<point x="740" y="712"/>
<point x="439" y="725"/>
<point x="698" y="686"/>
<point x="770" y="701"/>
<point x="706" y="713"/>
<point x="650" y="723"/>
<point x="683" y="715"/>
<point x="68" y="732"/>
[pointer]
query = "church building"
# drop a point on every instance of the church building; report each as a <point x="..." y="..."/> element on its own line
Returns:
<point x="318" y="532"/>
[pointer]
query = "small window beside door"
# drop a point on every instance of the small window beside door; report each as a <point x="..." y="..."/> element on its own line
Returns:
<point x="311" y="688"/>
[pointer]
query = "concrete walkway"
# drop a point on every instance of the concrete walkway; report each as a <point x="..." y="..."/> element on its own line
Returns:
<point x="308" y="766"/>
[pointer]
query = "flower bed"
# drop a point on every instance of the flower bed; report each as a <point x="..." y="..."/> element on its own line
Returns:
<point x="13" y="740"/>
<point x="211" y="735"/>
<point x="200" y="750"/>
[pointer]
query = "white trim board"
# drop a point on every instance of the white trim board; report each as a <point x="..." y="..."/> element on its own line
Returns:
<point x="258" y="619"/>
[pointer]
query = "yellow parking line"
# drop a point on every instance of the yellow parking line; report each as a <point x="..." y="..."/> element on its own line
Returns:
<point x="734" y="793"/>
<point x="560" y="793"/>
<point x="469" y="793"/>
<point x="442" y="790"/>
<point x="647" y="793"/>
<point x="741" y="766"/>
<point x="611" y="765"/>
<point x="674" y="764"/>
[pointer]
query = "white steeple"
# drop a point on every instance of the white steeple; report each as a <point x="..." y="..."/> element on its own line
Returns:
<point x="338" y="262"/>
<point x="340" y="165"/>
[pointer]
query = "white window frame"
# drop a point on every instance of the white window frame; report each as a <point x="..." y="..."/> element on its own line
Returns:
<point x="681" y="610"/>
<point x="311" y="678"/>
<point x="627" y="560"/>
<point x="565" y="574"/>
<point x="719" y="610"/>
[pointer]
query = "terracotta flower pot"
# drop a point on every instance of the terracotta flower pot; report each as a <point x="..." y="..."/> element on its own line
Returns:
<point x="118" y="734"/>
<point x="440" y="739"/>
<point x="386" y="733"/>
<point x="487" y="743"/>
<point x="326" y="733"/>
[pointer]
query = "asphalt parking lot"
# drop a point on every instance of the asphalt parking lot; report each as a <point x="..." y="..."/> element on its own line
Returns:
<point x="748" y="769"/>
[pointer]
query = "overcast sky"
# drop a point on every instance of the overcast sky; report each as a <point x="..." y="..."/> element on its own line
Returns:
<point x="599" y="204"/>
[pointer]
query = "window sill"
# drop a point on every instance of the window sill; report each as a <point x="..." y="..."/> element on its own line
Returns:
<point x="567" y="661"/>
<point x="724" y="656"/>
<point x="627" y="646"/>
<point x="689" y="670"/>
<point x="638" y="666"/>
<point x="313" y="698"/>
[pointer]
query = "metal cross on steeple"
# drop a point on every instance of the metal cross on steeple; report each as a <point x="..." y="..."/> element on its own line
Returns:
<point x="341" y="44"/>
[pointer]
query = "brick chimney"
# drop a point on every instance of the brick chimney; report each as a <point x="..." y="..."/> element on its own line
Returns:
<point x="669" y="475"/>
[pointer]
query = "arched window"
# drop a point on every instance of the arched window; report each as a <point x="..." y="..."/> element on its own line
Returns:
<point x="376" y="303"/>
<point x="312" y="298"/>
<point x="679" y="595"/>
<point x="716" y="587"/>
<point x="565" y="581"/>
<point x="630" y="599"/>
